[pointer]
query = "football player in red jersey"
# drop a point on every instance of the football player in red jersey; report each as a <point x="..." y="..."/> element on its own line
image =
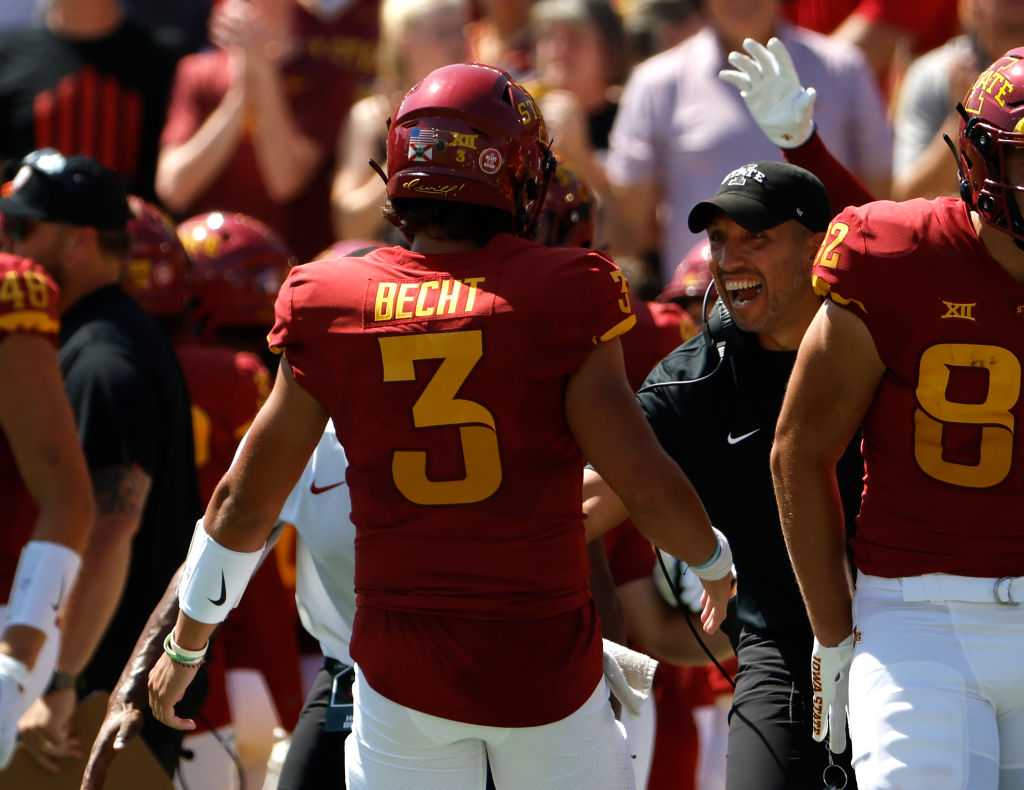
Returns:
<point x="44" y="489"/>
<point x="212" y="283"/>
<point x="567" y="219"/>
<point x="474" y="633"/>
<point x="920" y="342"/>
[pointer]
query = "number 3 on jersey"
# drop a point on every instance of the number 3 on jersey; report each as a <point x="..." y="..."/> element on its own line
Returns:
<point x="992" y="415"/>
<point x="438" y="406"/>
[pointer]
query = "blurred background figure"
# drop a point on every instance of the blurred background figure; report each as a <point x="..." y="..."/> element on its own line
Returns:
<point x="579" y="68"/>
<point x="889" y="32"/>
<point x="417" y="36"/>
<point x="500" y="35"/>
<point x="925" y="109"/>
<point x="690" y="283"/>
<point x="88" y="81"/>
<point x="132" y="412"/>
<point x="18" y="14"/>
<point x="679" y="128"/>
<point x="652" y="26"/>
<point x="251" y="125"/>
<point x="179" y="25"/>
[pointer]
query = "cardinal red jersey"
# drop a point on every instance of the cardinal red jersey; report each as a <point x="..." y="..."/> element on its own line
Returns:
<point x="28" y="304"/>
<point x="445" y="376"/>
<point x="227" y="388"/>
<point x="660" y="327"/>
<point x="943" y="446"/>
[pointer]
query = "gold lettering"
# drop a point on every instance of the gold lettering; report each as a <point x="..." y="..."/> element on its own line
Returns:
<point x="472" y="282"/>
<point x="960" y="310"/>
<point x="422" y="311"/>
<point x="405" y="295"/>
<point x="460" y="140"/>
<point x="1004" y="89"/>
<point x="385" y="306"/>
<point x="449" y="298"/>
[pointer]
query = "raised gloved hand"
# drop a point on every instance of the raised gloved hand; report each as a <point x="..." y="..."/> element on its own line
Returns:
<point x="768" y="83"/>
<point x="13" y="680"/>
<point x="830" y="681"/>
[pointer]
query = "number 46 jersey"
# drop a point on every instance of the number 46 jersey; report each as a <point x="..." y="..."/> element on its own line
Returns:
<point x="943" y="446"/>
<point x="445" y="376"/>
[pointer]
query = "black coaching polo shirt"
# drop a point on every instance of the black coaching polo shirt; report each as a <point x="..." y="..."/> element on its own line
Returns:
<point x="132" y="407"/>
<point x="720" y="433"/>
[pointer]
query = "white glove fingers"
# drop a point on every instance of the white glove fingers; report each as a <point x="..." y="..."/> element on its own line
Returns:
<point x="747" y="65"/>
<point x="783" y="59"/>
<point x="765" y="59"/>
<point x="737" y="79"/>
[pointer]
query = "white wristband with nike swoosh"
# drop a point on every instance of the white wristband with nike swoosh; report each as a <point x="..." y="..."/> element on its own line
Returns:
<point x="214" y="577"/>
<point x="45" y="575"/>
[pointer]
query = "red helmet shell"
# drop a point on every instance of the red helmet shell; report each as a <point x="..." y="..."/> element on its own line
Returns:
<point x="469" y="133"/>
<point x="238" y="265"/>
<point x="692" y="276"/>
<point x="992" y="127"/>
<point x="157" y="274"/>
<point x="567" y="217"/>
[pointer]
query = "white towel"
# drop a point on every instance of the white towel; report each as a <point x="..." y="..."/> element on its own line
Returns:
<point x="629" y="674"/>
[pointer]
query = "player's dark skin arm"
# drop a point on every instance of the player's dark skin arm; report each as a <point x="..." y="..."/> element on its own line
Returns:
<point x="243" y="512"/>
<point x="130" y="696"/>
<point x="833" y="382"/>
<point x="605" y="417"/>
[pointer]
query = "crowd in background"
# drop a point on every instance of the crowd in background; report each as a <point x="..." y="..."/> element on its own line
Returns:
<point x="273" y="109"/>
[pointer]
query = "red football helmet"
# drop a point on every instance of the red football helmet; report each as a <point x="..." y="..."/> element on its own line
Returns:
<point x="692" y="276"/>
<point x="238" y="265"/>
<point x="157" y="274"/>
<point x="344" y="248"/>
<point x="469" y="133"/>
<point x="567" y="216"/>
<point x="992" y="127"/>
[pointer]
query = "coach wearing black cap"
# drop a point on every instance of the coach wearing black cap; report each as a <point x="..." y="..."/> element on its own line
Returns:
<point x="713" y="404"/>
<point x="133" y="414"/>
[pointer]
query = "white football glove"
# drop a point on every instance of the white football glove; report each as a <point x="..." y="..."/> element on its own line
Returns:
<point x="13" y="680"/>
<point x="684" y="579"/>
<point x="830" y="680"/>
<point x="768" y="83"/>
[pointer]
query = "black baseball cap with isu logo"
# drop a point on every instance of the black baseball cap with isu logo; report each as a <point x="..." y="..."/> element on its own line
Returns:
<point x="762" y="195"/>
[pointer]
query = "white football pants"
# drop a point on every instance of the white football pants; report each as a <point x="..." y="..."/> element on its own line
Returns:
<point x="393" y="747"/>
<point x="936" y="688"/>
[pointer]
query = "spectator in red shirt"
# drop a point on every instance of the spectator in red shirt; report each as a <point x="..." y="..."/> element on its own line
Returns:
<point x="880" y="27"/>
<point x="251" y="123"/>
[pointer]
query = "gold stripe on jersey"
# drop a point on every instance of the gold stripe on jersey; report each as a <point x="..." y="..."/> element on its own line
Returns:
<point x="29" y="321"/>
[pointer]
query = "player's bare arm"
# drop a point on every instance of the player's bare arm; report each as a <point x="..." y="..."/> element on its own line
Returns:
<point x="836" y="373"/>
<point x="129" y="698"/>
<point x="658" y="629"/>
<point x="604" y="417"/>
<point x="37" y="421"/>
<point x="603" y="510"/>
<point x="239" y="520"/>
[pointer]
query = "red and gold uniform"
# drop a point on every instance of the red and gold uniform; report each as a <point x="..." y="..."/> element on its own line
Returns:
<point x="28" y="304"/>
<point x="943" y="445"/>
<point x="445" y="376"/>
<point x="227" y="388"/>
<point x="660" y="327"/>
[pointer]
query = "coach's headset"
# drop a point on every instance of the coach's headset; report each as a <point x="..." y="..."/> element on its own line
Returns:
<point x="721" y="332"/>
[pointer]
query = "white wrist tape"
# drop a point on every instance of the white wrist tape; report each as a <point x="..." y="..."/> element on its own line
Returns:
<point x="214" y="577"/>
<point x="720" y="562"/>
<point x="46" y="572"/>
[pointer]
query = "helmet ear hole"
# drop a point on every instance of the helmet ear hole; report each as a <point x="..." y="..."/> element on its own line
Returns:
<point x="986" y="204"/>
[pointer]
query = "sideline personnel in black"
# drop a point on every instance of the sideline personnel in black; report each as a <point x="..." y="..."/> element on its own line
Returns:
<point x="134" y="420"/>
<point x="764" y="227"/>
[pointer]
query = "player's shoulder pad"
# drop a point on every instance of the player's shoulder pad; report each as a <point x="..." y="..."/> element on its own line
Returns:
<point x="886" y="228"/>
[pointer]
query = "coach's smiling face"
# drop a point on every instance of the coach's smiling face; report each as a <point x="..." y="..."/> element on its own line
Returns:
<point x="764" y="277"/>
